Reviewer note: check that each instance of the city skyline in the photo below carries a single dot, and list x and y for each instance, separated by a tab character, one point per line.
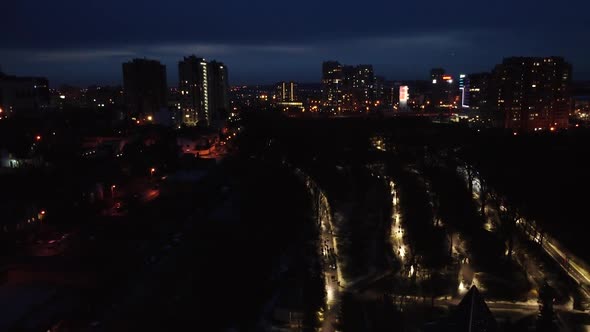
294	166
262	49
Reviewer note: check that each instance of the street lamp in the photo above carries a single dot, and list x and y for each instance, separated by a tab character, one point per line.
113	187
152	171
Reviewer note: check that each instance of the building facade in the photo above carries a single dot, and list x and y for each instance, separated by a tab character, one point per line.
286	92
332	81
348	88
219	92
287	97
22	95
204	91
145	87
533	93
362	89
478	91
444	89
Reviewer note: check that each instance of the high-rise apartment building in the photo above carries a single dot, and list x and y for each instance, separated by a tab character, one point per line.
218	92
145	88
478	92
533	93
204	91
348	88
194	90
287	96
436	75
332	81
443	90
286	92
363	88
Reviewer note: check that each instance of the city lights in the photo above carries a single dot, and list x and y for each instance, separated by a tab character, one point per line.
428	189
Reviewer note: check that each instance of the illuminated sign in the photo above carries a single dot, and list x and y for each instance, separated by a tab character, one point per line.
404	94
447	77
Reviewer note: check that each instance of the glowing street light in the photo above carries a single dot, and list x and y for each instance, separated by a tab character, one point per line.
152	171
38	137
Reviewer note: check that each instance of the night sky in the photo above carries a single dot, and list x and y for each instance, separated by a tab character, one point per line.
262	41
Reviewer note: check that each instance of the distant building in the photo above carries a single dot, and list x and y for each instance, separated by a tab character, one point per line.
286	92
204	91
443	89
219	92
380	98
22	95
194	90
145	87
362	90
95	97
436	75
464	91
103	96
332	81
348	88
478	91
287	96
533	93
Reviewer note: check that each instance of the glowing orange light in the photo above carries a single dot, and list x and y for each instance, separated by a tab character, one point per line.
38	138
43	212
552	129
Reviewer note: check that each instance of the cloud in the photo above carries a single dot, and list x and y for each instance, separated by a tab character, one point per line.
80	55
153	51
222	49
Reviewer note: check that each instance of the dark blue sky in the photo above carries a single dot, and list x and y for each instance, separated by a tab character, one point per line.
262	41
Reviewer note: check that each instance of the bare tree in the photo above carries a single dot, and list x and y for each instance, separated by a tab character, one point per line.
509	215
483	194
546	319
